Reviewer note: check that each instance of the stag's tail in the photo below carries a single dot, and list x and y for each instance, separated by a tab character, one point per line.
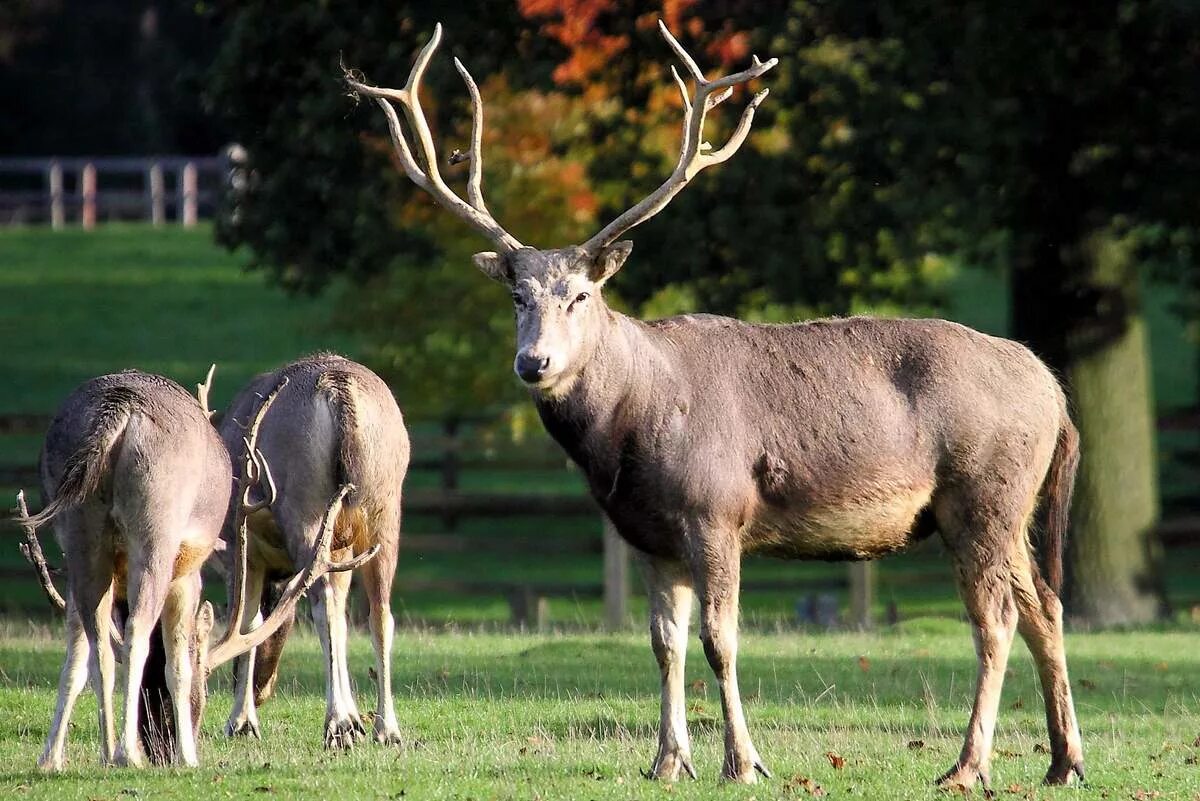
85	468
1056	494
339	386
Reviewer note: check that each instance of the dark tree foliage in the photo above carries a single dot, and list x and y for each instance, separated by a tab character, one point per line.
106	77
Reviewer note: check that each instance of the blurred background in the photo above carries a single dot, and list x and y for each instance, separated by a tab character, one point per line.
186	183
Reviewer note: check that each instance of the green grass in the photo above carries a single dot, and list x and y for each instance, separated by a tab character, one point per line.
505	716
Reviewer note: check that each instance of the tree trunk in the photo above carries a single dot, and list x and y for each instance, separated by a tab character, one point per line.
1113	556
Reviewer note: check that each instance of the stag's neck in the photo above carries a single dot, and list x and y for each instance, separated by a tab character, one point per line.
627	383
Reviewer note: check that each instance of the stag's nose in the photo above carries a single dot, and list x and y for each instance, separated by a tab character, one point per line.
531	367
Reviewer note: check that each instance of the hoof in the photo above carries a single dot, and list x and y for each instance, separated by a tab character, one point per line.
964	777
670	763
343	735
1065	772
243	728
387	733
128	759
48	764
744	770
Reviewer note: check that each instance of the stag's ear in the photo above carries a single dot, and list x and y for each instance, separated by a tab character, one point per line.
610	260
494	265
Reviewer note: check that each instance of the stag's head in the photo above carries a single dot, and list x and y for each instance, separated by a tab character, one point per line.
556	293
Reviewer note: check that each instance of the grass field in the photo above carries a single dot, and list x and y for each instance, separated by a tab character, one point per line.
502	716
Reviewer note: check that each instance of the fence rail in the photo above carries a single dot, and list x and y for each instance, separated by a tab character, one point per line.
58	190
528	599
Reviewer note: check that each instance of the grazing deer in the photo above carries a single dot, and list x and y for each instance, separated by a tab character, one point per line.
138	487
336	422
704	438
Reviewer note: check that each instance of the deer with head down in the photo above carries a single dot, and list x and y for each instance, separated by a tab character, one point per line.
137	483
704	438
335	422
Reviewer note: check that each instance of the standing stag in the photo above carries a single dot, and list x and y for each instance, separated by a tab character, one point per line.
335	423
137	482
704	438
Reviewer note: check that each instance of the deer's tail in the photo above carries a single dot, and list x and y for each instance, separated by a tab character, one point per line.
1057	489
85	469
339	386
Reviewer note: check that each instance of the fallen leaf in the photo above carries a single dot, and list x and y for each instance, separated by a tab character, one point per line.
1038	748
218	778
1145	795
699	686
864	664
797	783
1087	684
1007	754
915	745
1190	760
1014	788
1017	704
836	760
263	788
1162	667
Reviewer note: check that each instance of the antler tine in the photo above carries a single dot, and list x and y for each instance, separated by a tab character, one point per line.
32	549
233	643
203	389
694	153
429	178
254	470
475	169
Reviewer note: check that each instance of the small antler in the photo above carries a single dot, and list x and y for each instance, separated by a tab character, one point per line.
202	391
694	154
32	550
235	643
474	213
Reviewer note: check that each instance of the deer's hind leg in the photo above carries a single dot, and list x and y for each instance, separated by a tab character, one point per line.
981	550
377	576
86	535
1042	629
70	683
243	717
178	623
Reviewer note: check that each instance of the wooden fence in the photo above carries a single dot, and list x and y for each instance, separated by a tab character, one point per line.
84	190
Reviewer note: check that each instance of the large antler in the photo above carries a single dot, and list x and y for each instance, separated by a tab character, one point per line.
202	391
694	154
474	213
256	471
32	549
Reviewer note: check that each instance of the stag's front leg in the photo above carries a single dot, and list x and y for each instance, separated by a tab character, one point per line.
342	730
178	622
669	590
70	683
716	571
243	717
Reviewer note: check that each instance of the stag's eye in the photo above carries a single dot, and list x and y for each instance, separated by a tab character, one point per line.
580	298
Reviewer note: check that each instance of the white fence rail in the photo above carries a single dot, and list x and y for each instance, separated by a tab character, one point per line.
84	190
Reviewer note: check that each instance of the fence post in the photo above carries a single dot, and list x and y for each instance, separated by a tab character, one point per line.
156	193
189	195
862	591
54	176
87	192
616	578
450	428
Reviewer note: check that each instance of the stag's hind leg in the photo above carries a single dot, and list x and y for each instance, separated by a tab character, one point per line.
178	623
669	589
986	592
1041	628
343	726
243	717
377	578
70	683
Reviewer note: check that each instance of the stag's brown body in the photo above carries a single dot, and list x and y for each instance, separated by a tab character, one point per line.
138	486
705	438
335	422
